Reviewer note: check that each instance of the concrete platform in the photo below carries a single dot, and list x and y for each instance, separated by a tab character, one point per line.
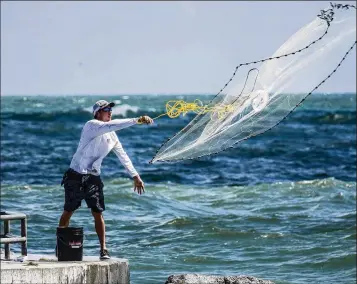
46	269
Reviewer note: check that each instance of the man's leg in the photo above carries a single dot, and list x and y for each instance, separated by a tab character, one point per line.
72	198
64	221
95	200
100	228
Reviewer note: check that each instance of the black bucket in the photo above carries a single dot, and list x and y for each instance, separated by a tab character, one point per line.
69	244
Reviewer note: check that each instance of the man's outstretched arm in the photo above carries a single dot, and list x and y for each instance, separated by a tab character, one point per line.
126	162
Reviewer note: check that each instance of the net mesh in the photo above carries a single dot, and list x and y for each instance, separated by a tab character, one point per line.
263	93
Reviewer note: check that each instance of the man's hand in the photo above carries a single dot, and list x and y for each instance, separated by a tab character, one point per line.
145	119
138	185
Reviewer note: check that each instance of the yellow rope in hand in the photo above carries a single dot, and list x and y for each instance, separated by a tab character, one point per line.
175	108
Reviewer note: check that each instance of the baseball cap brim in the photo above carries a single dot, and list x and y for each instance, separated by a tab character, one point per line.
110	104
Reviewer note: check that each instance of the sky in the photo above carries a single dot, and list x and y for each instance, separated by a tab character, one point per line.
149	47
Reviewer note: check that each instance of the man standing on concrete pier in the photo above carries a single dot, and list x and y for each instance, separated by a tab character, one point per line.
82	179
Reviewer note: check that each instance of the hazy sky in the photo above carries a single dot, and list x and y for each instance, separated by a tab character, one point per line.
144	47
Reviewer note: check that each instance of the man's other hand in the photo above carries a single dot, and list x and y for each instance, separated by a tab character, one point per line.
138	185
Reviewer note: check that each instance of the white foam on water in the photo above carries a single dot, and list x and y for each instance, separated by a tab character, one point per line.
124	109
39	105
88	109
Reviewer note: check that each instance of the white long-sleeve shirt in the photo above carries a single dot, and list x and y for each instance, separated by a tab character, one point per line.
98	138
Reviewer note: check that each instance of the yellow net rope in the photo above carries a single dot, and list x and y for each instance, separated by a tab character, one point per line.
175	108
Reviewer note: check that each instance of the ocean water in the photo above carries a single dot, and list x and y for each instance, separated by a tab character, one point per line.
279	206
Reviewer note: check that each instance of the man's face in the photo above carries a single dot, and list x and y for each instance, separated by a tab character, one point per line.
105	114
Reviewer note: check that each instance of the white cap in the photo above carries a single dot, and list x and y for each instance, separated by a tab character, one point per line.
101	104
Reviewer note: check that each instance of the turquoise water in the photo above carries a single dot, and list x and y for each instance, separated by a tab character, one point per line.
280	206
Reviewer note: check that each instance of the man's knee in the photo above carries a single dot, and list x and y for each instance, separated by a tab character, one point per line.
97	215
67	213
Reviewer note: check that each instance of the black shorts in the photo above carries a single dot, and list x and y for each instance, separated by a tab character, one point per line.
78	187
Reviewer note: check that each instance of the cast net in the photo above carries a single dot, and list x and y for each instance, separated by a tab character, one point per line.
260	94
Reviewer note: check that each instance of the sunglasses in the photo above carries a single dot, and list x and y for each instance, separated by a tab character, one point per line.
107	109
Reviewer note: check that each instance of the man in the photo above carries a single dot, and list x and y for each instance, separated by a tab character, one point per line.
82	179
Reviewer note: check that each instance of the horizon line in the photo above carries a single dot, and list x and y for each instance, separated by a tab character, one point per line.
155	94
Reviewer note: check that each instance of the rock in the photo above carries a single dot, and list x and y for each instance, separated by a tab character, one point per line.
243	279
195	279
211	279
